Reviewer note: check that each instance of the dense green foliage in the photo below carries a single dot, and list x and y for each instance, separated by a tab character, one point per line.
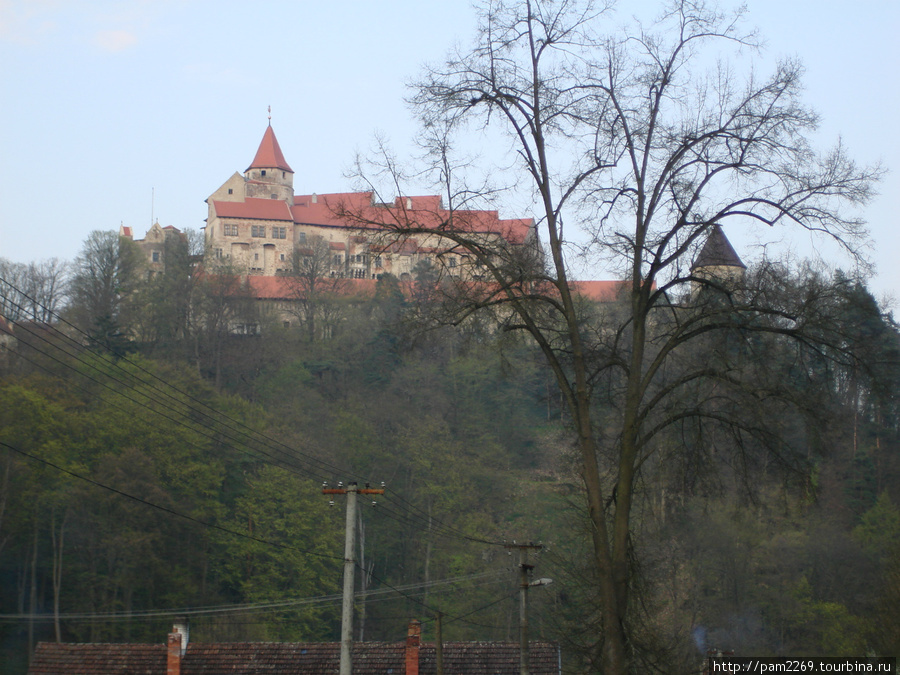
212	446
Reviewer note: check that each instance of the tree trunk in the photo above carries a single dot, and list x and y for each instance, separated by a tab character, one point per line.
58	541
32	597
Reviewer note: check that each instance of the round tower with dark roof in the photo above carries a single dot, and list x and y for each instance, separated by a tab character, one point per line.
269	176
717	261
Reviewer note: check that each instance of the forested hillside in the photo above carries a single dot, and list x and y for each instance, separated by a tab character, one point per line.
156	462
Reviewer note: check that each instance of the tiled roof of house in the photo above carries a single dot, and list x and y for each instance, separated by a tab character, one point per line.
489	658
717	252
98	659
269	658
269	154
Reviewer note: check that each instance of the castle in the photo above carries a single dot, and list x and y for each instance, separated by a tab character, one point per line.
264	229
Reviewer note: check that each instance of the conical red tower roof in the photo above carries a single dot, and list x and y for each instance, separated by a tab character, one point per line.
269	154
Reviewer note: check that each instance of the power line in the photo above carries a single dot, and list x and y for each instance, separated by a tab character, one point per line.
167	509
410	517
240	608
250	436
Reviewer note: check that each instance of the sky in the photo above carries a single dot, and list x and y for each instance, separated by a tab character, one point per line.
127	111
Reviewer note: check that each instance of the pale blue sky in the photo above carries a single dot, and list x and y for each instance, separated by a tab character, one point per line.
102	101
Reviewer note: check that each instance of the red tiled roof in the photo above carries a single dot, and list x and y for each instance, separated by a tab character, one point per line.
269	155
425	213
254	209
421	212
599	291
259	658
98	659
289	288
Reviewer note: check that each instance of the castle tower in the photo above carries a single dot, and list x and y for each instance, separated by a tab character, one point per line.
269	176
717	261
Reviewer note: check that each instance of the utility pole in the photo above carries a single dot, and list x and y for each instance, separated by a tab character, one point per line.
352	490
524	573
439	644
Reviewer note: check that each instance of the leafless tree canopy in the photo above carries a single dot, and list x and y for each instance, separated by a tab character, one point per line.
35	292
637	142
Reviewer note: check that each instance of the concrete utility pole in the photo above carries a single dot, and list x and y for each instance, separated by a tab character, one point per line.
349	568
524	572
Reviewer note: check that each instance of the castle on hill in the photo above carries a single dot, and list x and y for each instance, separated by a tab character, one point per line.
259	224
264	230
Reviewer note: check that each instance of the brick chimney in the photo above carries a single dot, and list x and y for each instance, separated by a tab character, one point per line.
173	654
413	638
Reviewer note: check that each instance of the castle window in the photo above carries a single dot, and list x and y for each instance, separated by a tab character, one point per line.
451	262
218	253
337	259
155	256
273	196
301	237
279	233
282	174
230	191
256	256
282	256
231	230
262	173
377	261
258	231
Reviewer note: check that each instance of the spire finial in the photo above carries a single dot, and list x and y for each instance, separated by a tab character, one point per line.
270	115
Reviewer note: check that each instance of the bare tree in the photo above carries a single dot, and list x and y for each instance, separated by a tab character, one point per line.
634	144
36	291
315	285
222	306
106	278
